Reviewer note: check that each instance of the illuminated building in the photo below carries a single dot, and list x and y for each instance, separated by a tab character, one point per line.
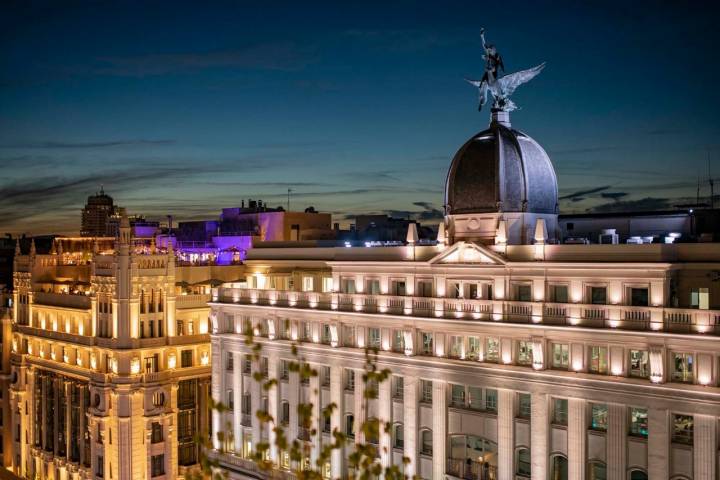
110	371
513	355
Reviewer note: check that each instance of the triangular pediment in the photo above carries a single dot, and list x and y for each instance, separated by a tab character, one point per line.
468	253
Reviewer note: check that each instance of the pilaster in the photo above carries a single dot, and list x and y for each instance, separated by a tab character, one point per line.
577	438
705	447
539	435
658	444
439	433
617	442
410	423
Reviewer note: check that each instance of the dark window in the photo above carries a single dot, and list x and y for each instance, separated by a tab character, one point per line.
639	297
523	293
186	358
157	465
598	295
157	433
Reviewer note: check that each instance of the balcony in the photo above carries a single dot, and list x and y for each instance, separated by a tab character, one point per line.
63	300
621	317
192	301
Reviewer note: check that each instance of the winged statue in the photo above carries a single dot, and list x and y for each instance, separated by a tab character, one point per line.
503	87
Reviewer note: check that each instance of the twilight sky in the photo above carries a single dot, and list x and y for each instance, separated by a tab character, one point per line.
185	108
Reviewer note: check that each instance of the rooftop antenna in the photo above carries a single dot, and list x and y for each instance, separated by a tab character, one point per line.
288	203
710	181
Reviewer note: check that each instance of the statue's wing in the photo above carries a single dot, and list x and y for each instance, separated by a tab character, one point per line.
475	83
509	83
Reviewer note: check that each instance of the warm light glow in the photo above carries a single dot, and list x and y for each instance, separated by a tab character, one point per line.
78	360
704	379
66	358
613	323
93	361
30	349
203	327
616	370
52	353
135	366
204	358
172	360
114	365
81	328
14	345
67	326
574	321
577	365
656	378
507	358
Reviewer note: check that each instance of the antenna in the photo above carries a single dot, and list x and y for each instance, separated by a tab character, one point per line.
710	181
288	203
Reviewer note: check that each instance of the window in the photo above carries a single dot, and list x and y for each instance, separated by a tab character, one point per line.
426	391
229	364
560	411
230	399
700	298
374	338
597	471
350	426
325	376
457	396
473	348
639	297
186	358
683	429
492	349
426	445
157	465
598	295
308	284
599	416
247	364
639	422
524	293
524	405
285	414
453	290
151	364
523	462
639	364
327	284
683	367
398	436
326	337
157	433
100	466
426	343
561	356
398	386
598	360
284	370
305	331
372	286
456	347
558	293
348	335
398	345
524	353
349	379
264	366
475	398
347	285
424	288
491	400
471	290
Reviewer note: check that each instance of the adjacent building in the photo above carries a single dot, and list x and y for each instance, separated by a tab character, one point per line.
110	358
96	216
512	354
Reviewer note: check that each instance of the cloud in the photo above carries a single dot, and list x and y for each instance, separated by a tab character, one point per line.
581	150
283	56
583	193
643	204
81	145
613	195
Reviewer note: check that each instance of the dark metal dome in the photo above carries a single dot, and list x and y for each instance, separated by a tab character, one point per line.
501	170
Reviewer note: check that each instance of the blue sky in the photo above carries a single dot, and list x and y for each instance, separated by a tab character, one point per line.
185	108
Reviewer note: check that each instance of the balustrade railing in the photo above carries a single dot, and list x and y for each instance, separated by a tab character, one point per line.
573	314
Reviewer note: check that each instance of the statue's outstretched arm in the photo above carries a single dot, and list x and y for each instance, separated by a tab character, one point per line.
482	37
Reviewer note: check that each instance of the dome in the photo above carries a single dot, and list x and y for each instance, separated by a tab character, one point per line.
501	170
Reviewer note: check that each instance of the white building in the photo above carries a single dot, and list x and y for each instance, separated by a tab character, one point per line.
512	356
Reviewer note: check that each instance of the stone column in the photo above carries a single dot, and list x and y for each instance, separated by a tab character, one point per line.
705	447
577	438
68	420
293	400
439	433
256	404
506	434
274	404
539	435
359	411
410	423
658	444
617	442
216	392
385	415
337	396
237	401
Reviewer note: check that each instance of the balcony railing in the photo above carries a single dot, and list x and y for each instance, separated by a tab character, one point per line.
64	300
574	314
192	301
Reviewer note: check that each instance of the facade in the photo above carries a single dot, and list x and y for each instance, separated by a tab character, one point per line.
110	364
512	355
5	377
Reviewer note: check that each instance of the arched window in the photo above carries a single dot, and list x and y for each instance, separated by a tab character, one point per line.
285	418
426	443
398	436
638	475
597	471
559	470
522	466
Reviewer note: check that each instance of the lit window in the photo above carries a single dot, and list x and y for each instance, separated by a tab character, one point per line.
599	416
473	350
457	396
456	347
598	360
683	429
639	364
374	338
475	398
491	400
426	343
308	284
524	353
639	422
398	345
327	284
683	364
492	349
700	298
